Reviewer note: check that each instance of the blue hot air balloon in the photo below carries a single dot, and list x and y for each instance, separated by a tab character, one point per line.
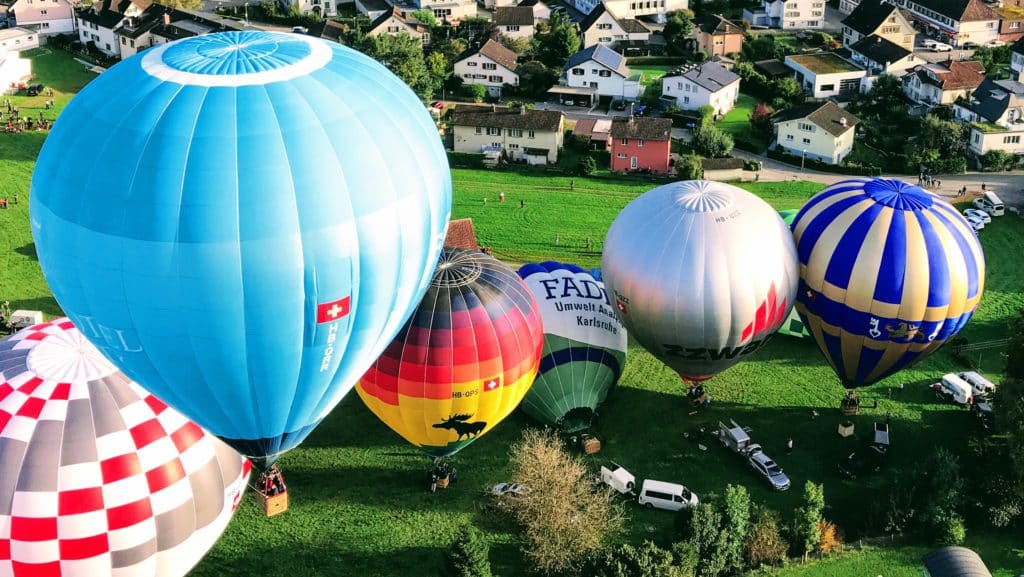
888	273
242	222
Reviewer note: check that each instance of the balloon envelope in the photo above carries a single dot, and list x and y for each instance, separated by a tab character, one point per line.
793	326
463	361
97	476
584	345
701	274
242	222
888	272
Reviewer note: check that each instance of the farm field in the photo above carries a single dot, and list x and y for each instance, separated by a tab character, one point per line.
359	504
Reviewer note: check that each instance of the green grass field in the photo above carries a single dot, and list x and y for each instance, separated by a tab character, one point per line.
653	73
737	122
359	504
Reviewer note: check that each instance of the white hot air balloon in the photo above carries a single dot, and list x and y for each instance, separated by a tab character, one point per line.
701	274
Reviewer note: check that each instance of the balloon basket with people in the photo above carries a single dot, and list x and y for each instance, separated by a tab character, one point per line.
272	492
442	474
850	405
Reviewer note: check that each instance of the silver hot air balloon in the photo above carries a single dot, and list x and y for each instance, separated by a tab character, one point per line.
701	274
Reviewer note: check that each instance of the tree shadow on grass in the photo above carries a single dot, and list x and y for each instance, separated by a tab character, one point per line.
28	250
48	305
283	555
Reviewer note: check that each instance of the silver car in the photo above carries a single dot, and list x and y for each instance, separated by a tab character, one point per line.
768	468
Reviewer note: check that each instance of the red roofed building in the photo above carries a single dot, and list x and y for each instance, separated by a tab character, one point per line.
461	234
641	144
941	83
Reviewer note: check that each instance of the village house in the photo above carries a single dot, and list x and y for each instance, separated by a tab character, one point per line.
520	134
541	10
996	113
43	16
328	30
159	25
594	73
787	14
597	131
491	65
600	27
514	21
954	21
18	39
395	22
825	74
640	143
880	56
96	24
630	8
716	36
1011	20
821	131
1017	59
693	86
878	18
941	83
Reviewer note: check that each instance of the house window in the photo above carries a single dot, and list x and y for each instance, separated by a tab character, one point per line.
605	73
605	39
495	78
604	26
124	41
828	87
1011	139
687	87
479	130
1014	24
393	29
594	71
810	23
807	141
471	64
990	25
512	28
640	143
593	85
789	137
890	29
977	138
686	99
792	14
490	66
132	42
625	141
496	144
621	155
514	146
530	134
515	132
43	12
493	132
807	126
577	72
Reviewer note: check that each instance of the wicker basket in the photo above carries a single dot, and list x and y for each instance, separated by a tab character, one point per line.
274	505
847	409
442	482
590	445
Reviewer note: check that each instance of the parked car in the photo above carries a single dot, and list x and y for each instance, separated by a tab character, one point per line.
995	43
509	490
437	105
968	45
668	496
928	42
990	203
767	468
975	222
35	89
941	47
980	386
300	29
954	389
979	214
861	463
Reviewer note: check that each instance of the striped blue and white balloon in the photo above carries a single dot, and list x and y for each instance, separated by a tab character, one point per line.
888	273
242	222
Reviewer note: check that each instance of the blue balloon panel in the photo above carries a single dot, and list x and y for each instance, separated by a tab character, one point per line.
242	222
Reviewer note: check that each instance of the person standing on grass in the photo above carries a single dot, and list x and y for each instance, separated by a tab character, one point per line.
789	445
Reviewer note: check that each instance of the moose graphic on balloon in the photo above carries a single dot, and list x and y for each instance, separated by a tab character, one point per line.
461	426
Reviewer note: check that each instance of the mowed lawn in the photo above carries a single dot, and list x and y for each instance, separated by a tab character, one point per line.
359	504
737	122
653	73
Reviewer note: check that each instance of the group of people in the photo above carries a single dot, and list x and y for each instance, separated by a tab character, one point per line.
272	483
13	121
928	181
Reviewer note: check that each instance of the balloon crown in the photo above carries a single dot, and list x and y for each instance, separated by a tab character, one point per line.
898	194
457	267
701	196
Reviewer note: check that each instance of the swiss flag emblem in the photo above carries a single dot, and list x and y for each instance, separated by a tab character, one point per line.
492	384
332	311
622	307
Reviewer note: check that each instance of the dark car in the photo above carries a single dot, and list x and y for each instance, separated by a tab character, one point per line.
861	462
35	89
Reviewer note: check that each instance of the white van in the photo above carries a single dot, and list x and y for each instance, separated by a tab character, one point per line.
668	496
979	384
990	203
954	388
618	478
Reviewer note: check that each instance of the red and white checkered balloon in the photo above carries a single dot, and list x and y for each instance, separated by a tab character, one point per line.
97	476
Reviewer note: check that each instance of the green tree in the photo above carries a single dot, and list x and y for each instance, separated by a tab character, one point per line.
586	165
789	90
707	537
938	146
477	92
647	560
1009	408
765	545
735	525
556	41
468	556
425	16
763	47
523	47
808	517
678	27
535	79
403	55
883	112
1015	350
183	4
996	160
754	82
688	167
438	69
712	142
993	59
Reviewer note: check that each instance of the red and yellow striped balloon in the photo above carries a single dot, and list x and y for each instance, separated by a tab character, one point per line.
464	360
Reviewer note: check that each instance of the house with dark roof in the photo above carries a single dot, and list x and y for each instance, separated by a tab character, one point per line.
594	73
716	36
877	55
514	21
954	21
640	143
600	27
541	10
693	86
327	29
879	18
135	25
489	64
96	23
394	22
995	111
516	133
942	83
773	68
821	130
954	562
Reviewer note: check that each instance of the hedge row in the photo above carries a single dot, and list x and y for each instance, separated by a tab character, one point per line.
465	159
814	164
655	60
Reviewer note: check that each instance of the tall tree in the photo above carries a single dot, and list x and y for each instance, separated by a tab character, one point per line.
468	556
678	27
735	526
556	41
938	146
403	55
707	537
808	517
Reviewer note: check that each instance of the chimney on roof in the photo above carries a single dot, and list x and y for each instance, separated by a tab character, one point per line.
167	19
842	121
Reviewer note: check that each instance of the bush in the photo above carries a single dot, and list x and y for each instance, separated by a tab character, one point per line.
648	560
831	537
813	164
586	165
948	529
996	160
465	159
713	142
468	556
655	60
765	545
